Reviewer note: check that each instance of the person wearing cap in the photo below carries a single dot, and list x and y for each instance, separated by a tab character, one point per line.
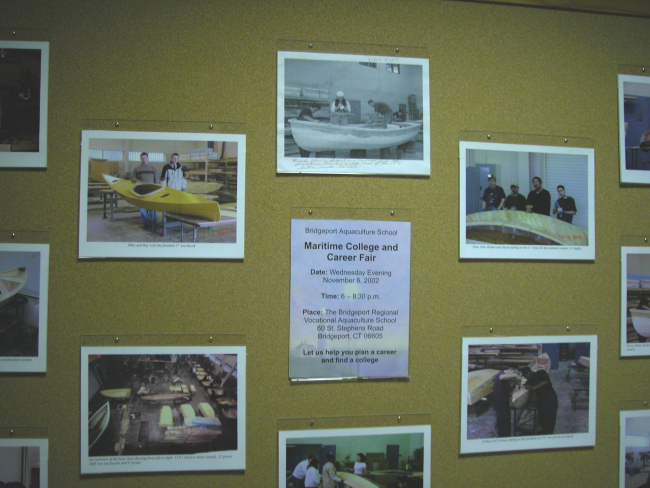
340	107
515	201
494	198
565	207
381	109
539	200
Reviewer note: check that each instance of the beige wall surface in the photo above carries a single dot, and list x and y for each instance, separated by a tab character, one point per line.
497	68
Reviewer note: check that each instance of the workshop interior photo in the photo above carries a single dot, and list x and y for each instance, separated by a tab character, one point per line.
636	110
638	298
553	399
20	467
388	457
637	451
209	173
19	303
320	83
20	93
140	405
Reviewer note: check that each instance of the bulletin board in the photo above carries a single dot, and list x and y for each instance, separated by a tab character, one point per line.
492	69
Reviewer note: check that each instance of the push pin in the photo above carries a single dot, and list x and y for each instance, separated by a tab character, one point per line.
568	328
310	212
489	137
117	339
311	423
13	235
491	330
392	213
645	239
310	45
117	124
13	33
645	404
396	49
399	418
211	127
210	339
566	140
11	432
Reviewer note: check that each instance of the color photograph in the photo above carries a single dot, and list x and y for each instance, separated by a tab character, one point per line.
352	114
23	463
24	68
23	307
374	457
162	195
634	128
634	460
149	409
523	393
635	301
526	202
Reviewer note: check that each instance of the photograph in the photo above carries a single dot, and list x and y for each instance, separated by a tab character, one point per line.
526	202
369	457
635	301
634	128
23	463
24	68
528	393
352	114
24	273
634	457
162	195
149	409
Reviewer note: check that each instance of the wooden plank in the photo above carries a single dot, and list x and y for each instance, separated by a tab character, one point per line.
480	384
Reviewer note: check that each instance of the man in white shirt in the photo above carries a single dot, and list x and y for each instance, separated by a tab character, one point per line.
298	475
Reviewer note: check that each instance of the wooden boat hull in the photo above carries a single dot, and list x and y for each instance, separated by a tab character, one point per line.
641	321
166	417
98	423
165	397
159	198
315	137
206	409
480	384
11	282
542	228
355	481
120	394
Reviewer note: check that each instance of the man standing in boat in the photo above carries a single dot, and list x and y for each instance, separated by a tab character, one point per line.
146	173
494	198
539	200
381	109
307	114
340	109
515	201
565	207
172	175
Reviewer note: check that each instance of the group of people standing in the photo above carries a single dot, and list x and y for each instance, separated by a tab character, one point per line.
172	176
538	200
536	381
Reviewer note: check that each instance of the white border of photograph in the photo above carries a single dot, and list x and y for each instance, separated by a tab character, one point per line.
27	364
629	175
632	349
297	164
285	436
42	444
32	159
153	250
504	251
555	441
224	460
624	416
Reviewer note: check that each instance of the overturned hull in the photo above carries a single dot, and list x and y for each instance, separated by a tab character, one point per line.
641	322
315	137
534	228
11	282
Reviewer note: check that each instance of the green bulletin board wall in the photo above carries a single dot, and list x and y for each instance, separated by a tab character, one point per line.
498	68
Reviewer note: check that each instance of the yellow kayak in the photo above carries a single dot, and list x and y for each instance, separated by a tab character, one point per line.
159	198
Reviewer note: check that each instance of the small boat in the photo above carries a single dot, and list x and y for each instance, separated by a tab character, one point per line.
536	228
160	198
480	384
120	394
206	409
165	397
98	423
227	401
188	413
316	137
11	282
166	417
641	321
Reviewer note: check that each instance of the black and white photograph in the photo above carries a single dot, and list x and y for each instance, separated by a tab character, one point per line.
24	68
526	202
634	128
369	457
24	273
23	463
352	114
536	392
163	409
162	195
635	301
634	457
